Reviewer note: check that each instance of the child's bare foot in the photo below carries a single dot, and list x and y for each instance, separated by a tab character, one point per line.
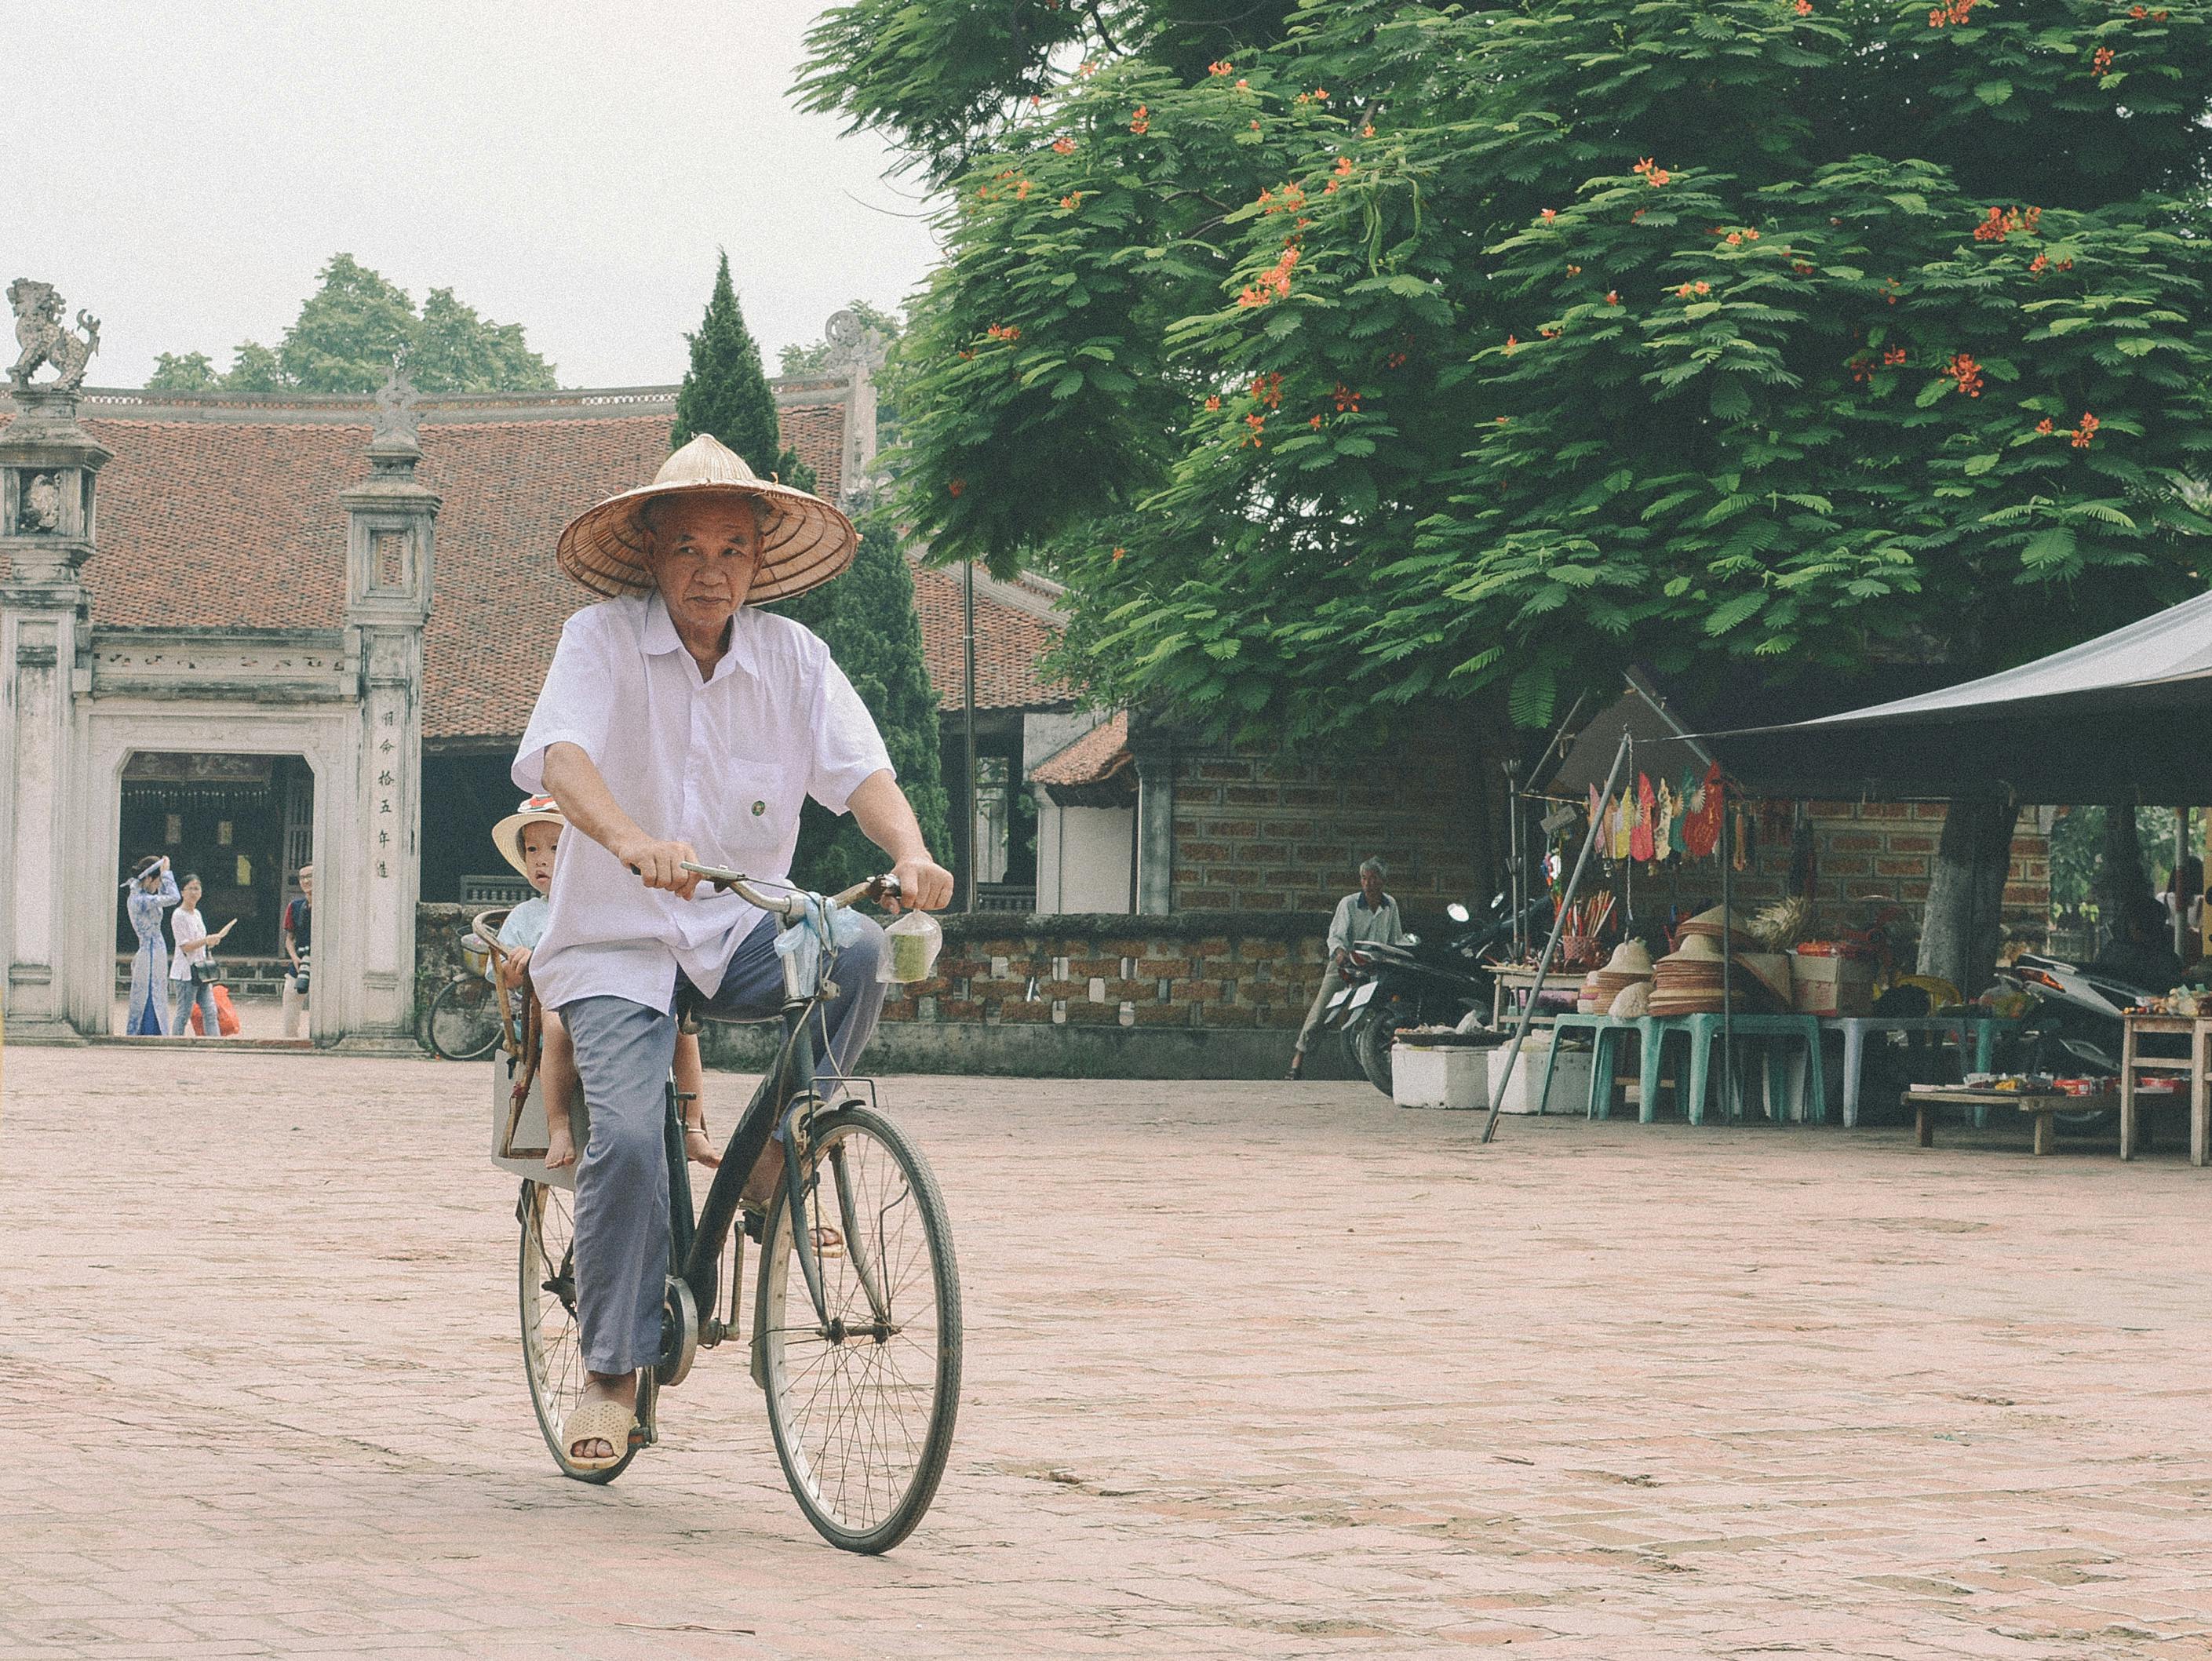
560	1145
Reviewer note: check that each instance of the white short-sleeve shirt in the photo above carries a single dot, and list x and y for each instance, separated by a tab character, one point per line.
723	763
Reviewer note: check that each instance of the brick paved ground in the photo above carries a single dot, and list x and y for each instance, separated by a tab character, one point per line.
1336	1383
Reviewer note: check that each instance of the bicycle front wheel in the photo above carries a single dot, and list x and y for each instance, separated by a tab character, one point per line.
862	1403
463	1023
552	1344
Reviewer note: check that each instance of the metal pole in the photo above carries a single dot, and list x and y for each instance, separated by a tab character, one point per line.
1728	1091
967	715
1518	886
1551	945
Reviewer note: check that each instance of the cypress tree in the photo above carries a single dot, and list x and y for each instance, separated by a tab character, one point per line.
868	618
726	392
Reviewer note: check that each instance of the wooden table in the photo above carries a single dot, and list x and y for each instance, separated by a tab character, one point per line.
2196	1067
1519	985
2042	1106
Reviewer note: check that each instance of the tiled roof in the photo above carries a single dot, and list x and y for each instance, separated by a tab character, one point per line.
1090	760
224	514
1010	638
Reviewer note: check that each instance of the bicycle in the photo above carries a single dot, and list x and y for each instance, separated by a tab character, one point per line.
463	1022
858	1353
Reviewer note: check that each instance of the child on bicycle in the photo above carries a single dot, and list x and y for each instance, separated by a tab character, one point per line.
530	839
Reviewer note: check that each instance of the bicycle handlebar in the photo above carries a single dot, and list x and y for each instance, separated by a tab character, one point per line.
788	905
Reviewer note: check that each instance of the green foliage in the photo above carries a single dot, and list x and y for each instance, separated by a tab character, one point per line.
345	335
727	393
185	372
868	618
1352	353
457	351
254	368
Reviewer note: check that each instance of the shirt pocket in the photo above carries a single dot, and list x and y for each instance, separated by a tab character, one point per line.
752	813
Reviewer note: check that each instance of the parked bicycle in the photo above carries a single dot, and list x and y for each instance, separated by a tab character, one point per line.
462	1020
855	1337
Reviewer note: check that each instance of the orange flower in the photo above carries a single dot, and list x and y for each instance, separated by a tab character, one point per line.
1613	296
2101	64
1140	122
1072	201
2044	427
1654	174
1088	70
1118	553
1022	191
1063	146
1243	86
1321	94
1893	356
1683	293
1735	239
1704	287
1574	270
1213	403
1968	374
1267	390
1347	401
1804	7
1548	215
1512	346
1219	66
1751	236
1368	132
956	486
1315	423
2085	431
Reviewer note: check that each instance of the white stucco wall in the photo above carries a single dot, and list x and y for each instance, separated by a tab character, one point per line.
1083	857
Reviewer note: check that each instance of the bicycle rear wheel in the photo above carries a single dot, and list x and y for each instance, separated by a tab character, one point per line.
862	1406
463	1023
552	1346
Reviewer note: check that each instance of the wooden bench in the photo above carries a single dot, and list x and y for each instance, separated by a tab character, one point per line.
1923	1102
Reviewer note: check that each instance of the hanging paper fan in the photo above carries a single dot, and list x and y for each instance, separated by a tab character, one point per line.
1701	833
1624	825
1639	839
1666	836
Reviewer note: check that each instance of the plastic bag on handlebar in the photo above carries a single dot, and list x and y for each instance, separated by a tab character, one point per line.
910	948
803	940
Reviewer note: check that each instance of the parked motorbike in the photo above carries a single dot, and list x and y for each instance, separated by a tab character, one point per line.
2074	1027
1421	983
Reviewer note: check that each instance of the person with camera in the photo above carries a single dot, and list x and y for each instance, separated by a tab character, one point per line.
298	934
193	974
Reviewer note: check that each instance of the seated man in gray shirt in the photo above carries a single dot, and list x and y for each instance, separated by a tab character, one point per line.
1369	917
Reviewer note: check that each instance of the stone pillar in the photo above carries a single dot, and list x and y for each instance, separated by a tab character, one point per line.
376	866
1155	831
48	466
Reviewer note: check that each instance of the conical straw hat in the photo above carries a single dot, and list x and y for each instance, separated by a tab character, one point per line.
804	541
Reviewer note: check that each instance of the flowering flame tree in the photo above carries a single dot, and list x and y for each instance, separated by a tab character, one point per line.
1346	355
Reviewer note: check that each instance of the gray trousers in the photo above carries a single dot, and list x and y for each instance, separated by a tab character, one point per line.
1332	982
624	1050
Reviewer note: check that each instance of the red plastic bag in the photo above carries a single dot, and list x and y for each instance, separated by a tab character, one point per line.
226	1016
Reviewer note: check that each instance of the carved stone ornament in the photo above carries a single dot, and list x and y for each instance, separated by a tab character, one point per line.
397	423
46	340
851	341
41	513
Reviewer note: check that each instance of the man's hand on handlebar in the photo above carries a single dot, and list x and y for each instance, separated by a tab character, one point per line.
924	886
661	865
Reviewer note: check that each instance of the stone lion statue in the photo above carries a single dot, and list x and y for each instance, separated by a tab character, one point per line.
46	339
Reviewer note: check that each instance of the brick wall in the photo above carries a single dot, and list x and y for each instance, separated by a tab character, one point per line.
1867	852
1260	834
1189	970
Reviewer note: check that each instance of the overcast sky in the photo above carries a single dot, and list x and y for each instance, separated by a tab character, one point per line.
182	170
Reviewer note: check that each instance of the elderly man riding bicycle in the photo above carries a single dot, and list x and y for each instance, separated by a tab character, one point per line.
679	723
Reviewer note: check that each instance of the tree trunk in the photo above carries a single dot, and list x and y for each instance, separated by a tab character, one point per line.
1962	926
2120	884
